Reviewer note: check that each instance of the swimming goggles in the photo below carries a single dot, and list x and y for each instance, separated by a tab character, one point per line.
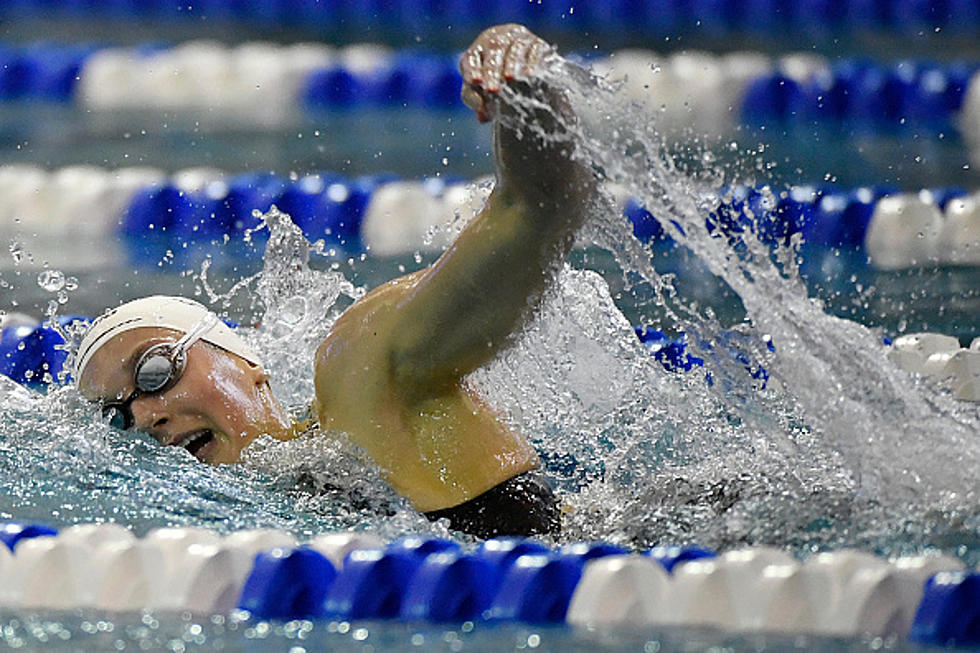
158	369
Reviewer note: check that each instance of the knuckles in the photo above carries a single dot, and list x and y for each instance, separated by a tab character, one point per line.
487	56
491	60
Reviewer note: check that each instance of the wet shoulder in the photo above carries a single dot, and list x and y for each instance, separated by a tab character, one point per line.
358	347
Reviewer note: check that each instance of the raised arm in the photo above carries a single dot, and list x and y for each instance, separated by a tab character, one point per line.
457	314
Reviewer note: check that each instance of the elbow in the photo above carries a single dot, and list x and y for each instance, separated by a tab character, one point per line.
413	378
424	373
401	370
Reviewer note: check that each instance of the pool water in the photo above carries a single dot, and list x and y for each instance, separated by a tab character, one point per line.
80	631
838	449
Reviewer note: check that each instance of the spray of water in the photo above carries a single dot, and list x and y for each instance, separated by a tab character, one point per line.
841	447
295	304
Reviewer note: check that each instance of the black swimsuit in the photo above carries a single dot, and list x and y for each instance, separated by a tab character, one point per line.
522	505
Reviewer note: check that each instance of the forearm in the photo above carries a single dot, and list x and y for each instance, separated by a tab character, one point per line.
459	313
536	161
515	79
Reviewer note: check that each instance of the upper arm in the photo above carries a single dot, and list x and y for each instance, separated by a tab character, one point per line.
434	326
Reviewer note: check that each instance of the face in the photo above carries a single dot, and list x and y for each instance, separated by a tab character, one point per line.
220	404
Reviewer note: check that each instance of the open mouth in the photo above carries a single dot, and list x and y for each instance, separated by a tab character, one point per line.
195	442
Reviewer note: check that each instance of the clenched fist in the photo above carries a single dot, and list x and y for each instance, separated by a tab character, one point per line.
499	55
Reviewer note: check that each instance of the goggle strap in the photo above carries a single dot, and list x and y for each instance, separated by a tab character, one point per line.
206	324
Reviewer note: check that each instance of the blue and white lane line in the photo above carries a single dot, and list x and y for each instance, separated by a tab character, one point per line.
629	19
385	216
34	354
263	83
931	599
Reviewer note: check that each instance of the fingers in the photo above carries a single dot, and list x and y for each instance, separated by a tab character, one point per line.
471	65
515	61
537	53
471	98
475	101
498	55
493	62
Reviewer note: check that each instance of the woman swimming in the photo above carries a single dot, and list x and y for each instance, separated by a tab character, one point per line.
391	372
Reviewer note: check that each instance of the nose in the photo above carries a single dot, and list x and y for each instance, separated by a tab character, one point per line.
153	415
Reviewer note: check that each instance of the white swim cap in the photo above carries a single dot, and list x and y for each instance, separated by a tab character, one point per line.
177	313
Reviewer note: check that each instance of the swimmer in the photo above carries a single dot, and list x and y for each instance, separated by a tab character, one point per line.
391	374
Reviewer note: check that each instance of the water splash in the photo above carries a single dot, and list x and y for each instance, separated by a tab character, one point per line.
296	304
842	448
63	464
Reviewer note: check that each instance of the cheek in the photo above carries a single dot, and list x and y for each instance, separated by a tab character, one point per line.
235	396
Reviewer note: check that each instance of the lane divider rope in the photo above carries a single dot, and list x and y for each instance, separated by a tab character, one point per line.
35	355
931	599
774	19
263	83
156	213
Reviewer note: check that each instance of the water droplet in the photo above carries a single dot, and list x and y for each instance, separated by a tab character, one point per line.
51	280
16	251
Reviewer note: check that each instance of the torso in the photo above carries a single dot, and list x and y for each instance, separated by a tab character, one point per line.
438	451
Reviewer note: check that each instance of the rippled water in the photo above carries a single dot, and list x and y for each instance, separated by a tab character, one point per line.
146	631
839	448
